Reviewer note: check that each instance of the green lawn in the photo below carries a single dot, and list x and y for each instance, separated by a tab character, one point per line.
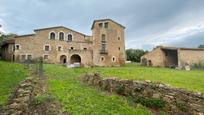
80	99
10	75
191	80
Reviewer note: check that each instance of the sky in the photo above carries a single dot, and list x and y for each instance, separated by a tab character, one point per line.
148	23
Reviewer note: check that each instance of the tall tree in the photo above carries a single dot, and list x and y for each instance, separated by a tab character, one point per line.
134	55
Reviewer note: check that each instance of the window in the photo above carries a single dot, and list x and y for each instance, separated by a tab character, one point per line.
69	37
118	38
59	48
100	25
103	42
29	57
85	48
106	25
118	48
72	48
102	58
45	57
23	57
47	48
13	48
166	53
61	36
113	59
17	47
52	36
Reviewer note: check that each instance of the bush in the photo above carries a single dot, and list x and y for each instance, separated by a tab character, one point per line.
152	102
199	65
37	100
182	106
120	89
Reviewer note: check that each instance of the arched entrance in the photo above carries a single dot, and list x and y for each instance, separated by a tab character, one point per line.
63	59
75	59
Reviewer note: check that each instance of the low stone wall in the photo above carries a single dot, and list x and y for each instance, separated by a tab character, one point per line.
177	101
19	101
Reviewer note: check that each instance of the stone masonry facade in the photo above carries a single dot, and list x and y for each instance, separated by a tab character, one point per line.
105	47
173	57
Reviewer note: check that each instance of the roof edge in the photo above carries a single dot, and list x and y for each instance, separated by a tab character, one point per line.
46	28
106	20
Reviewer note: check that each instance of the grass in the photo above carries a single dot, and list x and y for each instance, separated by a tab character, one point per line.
10	75
191	80
78	98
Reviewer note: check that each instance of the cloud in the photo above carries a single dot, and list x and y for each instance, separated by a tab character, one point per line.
148	22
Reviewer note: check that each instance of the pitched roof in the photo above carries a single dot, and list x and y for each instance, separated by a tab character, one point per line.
59	27
107	20
24	35
9	41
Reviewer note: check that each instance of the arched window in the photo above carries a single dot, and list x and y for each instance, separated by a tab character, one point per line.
61	36
52	36
69	37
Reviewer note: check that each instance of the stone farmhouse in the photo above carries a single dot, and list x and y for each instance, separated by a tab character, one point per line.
172	57
61	45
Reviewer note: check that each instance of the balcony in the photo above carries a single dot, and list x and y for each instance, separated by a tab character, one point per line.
103	52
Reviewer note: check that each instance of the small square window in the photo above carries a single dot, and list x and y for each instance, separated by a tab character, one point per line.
100	25
29	57
47	48
106	25
17	47
23	57
59	48
72	48
85	48
46	57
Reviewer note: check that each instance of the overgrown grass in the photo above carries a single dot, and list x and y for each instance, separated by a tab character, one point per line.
10	75
78	98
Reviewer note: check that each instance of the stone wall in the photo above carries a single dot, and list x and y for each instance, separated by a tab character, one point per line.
19	101
177	101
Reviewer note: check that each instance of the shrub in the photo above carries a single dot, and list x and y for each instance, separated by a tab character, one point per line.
37	100
152	102
182	106
120	89
199	65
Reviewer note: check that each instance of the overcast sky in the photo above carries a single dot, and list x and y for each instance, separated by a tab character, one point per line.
148	22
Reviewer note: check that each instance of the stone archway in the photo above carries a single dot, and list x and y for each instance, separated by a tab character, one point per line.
75	59
63	59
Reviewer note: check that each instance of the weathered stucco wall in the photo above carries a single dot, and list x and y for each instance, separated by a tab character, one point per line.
177	101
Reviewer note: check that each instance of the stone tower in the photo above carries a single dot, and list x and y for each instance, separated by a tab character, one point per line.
108	43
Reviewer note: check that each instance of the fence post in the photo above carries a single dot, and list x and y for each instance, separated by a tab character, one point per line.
40	69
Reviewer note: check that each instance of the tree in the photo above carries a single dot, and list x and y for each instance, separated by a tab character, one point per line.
5	37
201	46
134	55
